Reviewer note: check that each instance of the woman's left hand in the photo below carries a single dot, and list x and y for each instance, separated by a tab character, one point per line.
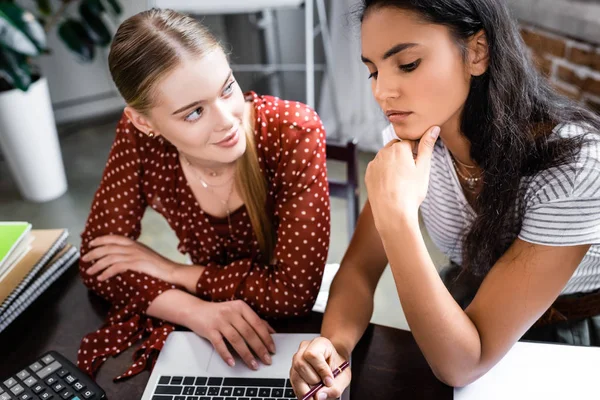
396	181
113	254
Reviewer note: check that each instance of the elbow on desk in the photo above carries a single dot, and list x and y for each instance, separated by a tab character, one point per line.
454	377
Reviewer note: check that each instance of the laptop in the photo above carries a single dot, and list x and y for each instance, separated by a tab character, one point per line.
188	368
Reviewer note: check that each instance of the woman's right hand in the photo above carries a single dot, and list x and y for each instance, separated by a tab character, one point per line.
314	362
237	323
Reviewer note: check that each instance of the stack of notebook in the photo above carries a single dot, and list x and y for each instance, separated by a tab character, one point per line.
30	261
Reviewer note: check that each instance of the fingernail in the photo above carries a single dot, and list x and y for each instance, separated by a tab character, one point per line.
254	364
231	362
328	381
322	396
272	349
435	132
267	358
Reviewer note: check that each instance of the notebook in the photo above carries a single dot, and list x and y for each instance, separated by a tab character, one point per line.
45	245
539	371
46	276
13	243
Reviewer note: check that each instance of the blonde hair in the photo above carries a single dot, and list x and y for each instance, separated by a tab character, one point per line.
149	45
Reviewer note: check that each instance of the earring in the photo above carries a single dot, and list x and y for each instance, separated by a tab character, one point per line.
151	134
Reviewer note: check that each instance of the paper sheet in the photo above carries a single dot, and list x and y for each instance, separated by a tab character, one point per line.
539	371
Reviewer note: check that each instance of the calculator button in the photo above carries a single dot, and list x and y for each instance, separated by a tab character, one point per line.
25	396
67	394
62	372
51	381
17	390
23	375
70	379
38	389
10	382
79	386
59	387
30	381
5	396
44	372
1	390
46	396
48	359
35	367
87	394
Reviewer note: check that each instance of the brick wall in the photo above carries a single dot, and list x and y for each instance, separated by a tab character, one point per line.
572	66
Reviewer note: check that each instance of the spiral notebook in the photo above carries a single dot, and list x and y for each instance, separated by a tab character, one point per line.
48	258
50	273
14	243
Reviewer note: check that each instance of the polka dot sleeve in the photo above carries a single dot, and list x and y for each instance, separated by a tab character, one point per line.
117	209
292	148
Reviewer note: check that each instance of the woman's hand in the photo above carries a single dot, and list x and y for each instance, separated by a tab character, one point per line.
313	363
396	181
114	254
237	323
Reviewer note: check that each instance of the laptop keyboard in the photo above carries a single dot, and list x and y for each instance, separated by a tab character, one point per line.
201	388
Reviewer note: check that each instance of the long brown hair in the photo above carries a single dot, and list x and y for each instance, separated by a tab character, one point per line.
151	44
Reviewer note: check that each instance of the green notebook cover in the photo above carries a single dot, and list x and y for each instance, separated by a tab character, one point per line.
11	234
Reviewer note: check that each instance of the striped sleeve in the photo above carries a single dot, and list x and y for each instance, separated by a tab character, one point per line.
564	208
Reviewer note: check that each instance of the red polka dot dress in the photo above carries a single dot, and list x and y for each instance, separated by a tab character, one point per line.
143	171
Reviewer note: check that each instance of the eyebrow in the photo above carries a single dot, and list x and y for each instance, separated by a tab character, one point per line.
195	103
391	52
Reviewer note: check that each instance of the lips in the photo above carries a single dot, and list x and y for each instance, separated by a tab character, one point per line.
228	137
396	115
231	139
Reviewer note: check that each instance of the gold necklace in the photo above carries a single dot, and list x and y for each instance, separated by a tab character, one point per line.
208	187
471	182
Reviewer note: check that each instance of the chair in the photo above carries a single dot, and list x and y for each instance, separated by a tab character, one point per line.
349	188
266	7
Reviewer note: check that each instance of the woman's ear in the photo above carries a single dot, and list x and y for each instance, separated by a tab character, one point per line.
479	56
141	122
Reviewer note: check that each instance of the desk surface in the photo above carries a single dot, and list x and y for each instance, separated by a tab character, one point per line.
386	363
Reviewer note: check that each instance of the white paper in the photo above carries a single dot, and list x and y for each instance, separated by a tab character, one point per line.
539	371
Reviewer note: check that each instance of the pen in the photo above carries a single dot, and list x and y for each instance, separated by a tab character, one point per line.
336	372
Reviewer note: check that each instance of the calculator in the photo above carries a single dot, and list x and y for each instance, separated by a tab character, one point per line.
51	377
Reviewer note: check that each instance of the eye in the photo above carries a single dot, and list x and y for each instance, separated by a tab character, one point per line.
194	115
228	89
410	67
373	75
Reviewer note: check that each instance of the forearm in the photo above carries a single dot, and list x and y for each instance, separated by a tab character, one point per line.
447	337
174	306
187	276
349	310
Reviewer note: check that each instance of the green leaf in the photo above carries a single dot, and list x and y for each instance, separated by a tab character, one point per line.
13	38
115	6
45	7
76	38
94	25
95	5
27	23
15	66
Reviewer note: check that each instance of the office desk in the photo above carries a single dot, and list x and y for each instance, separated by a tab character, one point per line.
387	364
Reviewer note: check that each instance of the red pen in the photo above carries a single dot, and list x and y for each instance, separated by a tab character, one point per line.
336	372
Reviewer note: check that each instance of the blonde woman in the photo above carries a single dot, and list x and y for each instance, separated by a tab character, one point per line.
240	178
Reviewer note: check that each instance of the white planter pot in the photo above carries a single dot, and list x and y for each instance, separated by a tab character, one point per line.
30	142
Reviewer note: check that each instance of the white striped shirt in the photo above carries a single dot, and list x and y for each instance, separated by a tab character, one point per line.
562	207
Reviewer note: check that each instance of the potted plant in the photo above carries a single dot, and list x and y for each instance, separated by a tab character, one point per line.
28	135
